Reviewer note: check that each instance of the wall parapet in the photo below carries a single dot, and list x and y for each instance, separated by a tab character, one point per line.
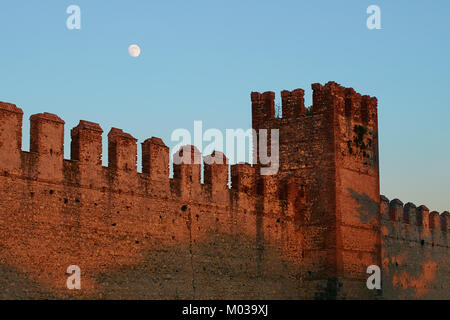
414	223
46	162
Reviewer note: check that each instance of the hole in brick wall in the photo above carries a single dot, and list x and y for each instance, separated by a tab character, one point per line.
32	194
173	237
137	242
184	207
51	191
77	200
422	242
278	220
114	224
197	216
95	204
160	217
217	219
66	201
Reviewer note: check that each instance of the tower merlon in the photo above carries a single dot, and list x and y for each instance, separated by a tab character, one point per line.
353	104
345	101
263	108
293	103
369	111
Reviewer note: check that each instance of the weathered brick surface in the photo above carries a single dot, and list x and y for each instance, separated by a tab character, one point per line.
308	232
415	252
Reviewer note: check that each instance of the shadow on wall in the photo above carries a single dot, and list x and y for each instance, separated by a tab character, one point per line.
368	209
224	267
414	266
16	285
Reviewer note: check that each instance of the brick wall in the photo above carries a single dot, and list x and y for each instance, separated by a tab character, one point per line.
308	232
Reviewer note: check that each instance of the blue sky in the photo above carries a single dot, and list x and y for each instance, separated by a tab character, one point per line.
201	59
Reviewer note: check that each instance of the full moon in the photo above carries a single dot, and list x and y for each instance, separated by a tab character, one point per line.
134	50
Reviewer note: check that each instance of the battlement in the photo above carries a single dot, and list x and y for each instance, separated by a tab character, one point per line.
45	161
414	223
328	98
293	103
346	101
318	219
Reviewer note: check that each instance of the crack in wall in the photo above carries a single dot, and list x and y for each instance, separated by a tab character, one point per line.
189	225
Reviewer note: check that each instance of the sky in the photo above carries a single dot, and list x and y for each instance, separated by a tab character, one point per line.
201	59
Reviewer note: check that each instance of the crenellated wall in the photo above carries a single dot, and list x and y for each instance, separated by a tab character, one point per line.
310	231
415	251
136	235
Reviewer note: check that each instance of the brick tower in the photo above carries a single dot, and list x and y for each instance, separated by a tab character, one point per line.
330	151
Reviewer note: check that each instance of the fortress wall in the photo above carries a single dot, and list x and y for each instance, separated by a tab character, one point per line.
415	252
308	232
136	235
